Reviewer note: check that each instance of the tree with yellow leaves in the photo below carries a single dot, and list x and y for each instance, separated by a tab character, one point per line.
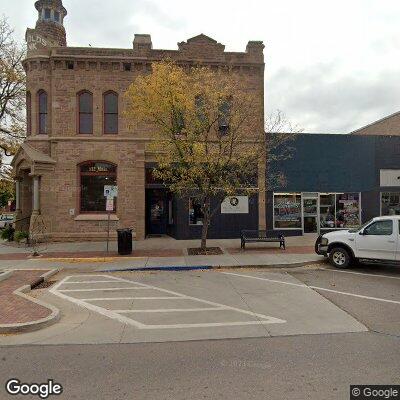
204	139
12	94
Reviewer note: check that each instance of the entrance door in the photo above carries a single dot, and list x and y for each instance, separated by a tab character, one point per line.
310	215
156	212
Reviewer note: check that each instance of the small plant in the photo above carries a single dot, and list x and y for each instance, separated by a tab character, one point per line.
8	233
19	236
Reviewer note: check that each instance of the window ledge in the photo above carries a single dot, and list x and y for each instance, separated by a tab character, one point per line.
96	217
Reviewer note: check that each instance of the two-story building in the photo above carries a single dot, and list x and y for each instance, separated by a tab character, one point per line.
78	140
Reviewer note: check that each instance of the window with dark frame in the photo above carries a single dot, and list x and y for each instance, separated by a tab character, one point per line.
47	13
56	16
28	113
94	175
42	117
110	113
85	103
196	214
224	115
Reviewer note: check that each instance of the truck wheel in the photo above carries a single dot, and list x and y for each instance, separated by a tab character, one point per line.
339	257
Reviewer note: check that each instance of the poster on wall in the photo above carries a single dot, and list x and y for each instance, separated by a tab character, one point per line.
235	205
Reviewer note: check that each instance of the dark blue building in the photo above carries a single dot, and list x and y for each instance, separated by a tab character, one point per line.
335	182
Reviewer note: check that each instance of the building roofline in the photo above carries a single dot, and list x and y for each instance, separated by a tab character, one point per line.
375	122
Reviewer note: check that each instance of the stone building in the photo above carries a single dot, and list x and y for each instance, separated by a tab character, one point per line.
386	126
78	141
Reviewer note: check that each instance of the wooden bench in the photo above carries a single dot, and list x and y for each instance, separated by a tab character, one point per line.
256	236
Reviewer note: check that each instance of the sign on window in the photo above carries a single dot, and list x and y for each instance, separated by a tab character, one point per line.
110	191
235	205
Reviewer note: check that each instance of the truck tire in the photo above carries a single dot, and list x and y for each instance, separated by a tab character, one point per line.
339	257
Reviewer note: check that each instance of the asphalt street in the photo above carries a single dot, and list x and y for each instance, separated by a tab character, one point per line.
296	366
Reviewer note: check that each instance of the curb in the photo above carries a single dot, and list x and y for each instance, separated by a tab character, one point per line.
5	275
176	268
40	323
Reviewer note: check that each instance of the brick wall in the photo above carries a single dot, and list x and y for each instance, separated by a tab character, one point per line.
66	71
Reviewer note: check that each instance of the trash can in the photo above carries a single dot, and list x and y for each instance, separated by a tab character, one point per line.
124	241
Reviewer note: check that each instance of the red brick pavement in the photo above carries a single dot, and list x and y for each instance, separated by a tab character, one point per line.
15	309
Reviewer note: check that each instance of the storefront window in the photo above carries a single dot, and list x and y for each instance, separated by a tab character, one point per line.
287	211
195	214
327	205
94	176
347	210
390	204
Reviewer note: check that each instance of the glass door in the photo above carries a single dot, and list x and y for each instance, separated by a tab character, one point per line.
310	215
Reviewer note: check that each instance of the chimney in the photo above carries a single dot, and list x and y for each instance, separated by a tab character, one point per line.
142	43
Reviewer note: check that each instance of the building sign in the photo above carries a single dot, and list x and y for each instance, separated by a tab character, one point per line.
390	177
110	204
110	191
235	205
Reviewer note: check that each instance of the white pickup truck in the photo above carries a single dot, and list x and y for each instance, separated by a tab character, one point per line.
378	240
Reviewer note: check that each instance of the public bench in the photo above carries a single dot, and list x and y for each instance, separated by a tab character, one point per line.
256	236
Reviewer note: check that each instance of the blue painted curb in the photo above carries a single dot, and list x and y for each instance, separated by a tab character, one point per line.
163	268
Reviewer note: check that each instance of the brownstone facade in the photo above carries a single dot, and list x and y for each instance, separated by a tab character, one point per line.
54	149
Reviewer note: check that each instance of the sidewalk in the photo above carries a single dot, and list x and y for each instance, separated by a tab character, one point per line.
19	312
166	251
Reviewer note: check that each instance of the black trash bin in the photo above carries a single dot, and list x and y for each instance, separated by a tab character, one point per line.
124	241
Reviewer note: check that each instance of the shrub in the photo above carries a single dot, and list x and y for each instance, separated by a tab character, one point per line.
20	235
8	233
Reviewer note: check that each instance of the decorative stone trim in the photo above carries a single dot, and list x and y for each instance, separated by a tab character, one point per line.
96	217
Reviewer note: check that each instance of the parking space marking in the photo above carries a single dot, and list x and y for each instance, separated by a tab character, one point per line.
166	310
106	289
57	290
314	288
135	298
81	282
359	273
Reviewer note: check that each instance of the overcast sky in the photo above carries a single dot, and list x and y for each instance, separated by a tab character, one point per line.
331	67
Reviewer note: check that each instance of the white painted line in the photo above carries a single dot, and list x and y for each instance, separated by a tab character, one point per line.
92	307
272	319
359	273
135	298
167	310
265	279
115	315
101	289
205	325
90	282
315	288
356	295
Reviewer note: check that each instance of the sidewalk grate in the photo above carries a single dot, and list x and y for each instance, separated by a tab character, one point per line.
43	285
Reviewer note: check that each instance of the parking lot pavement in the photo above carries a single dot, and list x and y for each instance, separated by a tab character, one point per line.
170	306
370	293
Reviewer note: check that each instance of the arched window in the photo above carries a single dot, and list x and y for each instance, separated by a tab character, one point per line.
42	101
85	105
94	175
110	113
28	113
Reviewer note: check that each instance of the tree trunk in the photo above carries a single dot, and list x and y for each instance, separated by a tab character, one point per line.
206	223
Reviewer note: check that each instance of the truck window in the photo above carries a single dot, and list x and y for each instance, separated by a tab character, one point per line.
381	228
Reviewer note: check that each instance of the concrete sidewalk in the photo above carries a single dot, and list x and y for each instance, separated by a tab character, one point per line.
160	252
